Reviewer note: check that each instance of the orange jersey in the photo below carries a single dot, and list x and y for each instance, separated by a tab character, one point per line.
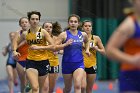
132	46
23	50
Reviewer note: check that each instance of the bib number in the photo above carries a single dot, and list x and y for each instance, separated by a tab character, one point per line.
38	35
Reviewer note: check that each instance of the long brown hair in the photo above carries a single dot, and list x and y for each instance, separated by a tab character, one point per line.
56	28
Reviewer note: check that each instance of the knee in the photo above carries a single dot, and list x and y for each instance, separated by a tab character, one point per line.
77	86
35	88
83	87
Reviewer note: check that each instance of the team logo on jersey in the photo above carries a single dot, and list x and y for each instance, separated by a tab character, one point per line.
35	41
80	38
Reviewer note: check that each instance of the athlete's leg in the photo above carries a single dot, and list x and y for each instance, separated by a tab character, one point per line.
9	69
22	77
45	89
77	77
67	83
90	81
44	84
32	75
52	81
15	77
84	84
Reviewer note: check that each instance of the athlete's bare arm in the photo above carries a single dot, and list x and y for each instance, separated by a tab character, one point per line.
86	43
55	38
20	43
51	45
48	37
61	38
122	33
100	48
5	50
15	42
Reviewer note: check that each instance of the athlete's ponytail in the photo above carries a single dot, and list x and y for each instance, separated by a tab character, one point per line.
56	29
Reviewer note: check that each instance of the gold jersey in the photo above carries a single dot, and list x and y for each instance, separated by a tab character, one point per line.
39	40
53	58
90	61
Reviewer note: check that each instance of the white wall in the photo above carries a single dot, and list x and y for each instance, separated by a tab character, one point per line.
48	8
12	10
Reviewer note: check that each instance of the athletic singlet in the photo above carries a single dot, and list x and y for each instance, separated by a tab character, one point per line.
90	61
53	59
39	40
10	59
132	46
23	50
73	52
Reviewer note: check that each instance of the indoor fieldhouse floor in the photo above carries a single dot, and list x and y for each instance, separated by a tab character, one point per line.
99	87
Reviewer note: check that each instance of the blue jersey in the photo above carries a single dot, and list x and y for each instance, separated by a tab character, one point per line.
73	52
10	59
